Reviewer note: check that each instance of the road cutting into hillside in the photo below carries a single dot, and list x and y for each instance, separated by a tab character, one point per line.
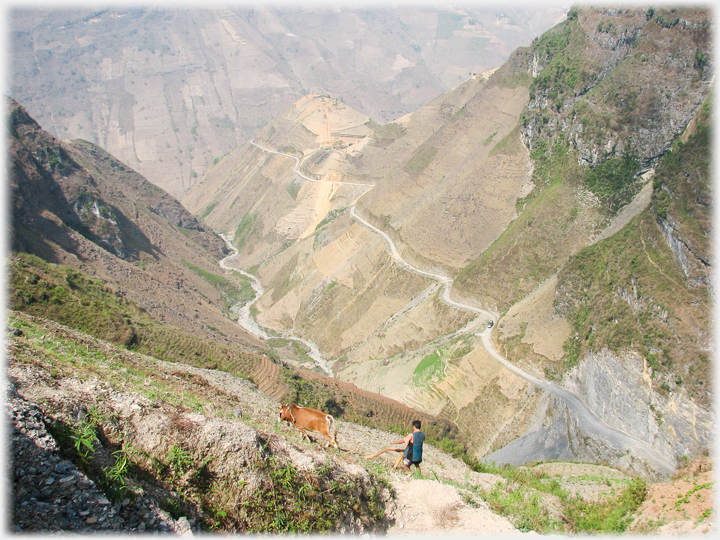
591	423
296	170
587	417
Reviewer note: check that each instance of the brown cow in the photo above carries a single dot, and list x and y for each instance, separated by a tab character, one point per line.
307	419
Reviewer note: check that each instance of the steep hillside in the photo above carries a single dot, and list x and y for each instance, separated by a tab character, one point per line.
72	203
163	448
655	286
106	440
631	312
578	115
498	187
94	245
64	295
232	195
168	91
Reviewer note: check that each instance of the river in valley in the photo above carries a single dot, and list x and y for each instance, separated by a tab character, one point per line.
246	321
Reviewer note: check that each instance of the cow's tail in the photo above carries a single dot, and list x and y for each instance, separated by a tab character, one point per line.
331	426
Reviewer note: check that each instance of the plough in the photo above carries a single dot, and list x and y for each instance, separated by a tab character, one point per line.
392	449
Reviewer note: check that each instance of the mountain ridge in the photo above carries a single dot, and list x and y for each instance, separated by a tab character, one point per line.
326	213
339	287
132	79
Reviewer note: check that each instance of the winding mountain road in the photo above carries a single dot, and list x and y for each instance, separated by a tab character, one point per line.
591	423
297	170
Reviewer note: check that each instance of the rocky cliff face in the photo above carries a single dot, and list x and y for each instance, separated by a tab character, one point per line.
620	390
619	80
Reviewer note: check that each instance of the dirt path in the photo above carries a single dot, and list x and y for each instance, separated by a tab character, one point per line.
427	507
436	503
444	501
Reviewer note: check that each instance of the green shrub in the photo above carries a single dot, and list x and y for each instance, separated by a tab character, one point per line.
293	189
114	480
522	506
245	229
178	460
206	213
84	435
614	181
518	498
609	516
330	217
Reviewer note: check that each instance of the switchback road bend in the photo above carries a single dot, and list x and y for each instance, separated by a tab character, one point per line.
587	419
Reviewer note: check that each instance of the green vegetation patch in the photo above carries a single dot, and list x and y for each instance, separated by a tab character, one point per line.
246	228
613	282
566	71
293	189
288	277
516	71
519	496
479	43
507	144
614	181
388	133
554	161
419	161
208	210
429	369
522	506
527	252
560	75
233	293
630	292
460	113
71	298
330	217
609	516
298	501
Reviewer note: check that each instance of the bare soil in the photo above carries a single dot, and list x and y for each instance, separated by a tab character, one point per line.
682	506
